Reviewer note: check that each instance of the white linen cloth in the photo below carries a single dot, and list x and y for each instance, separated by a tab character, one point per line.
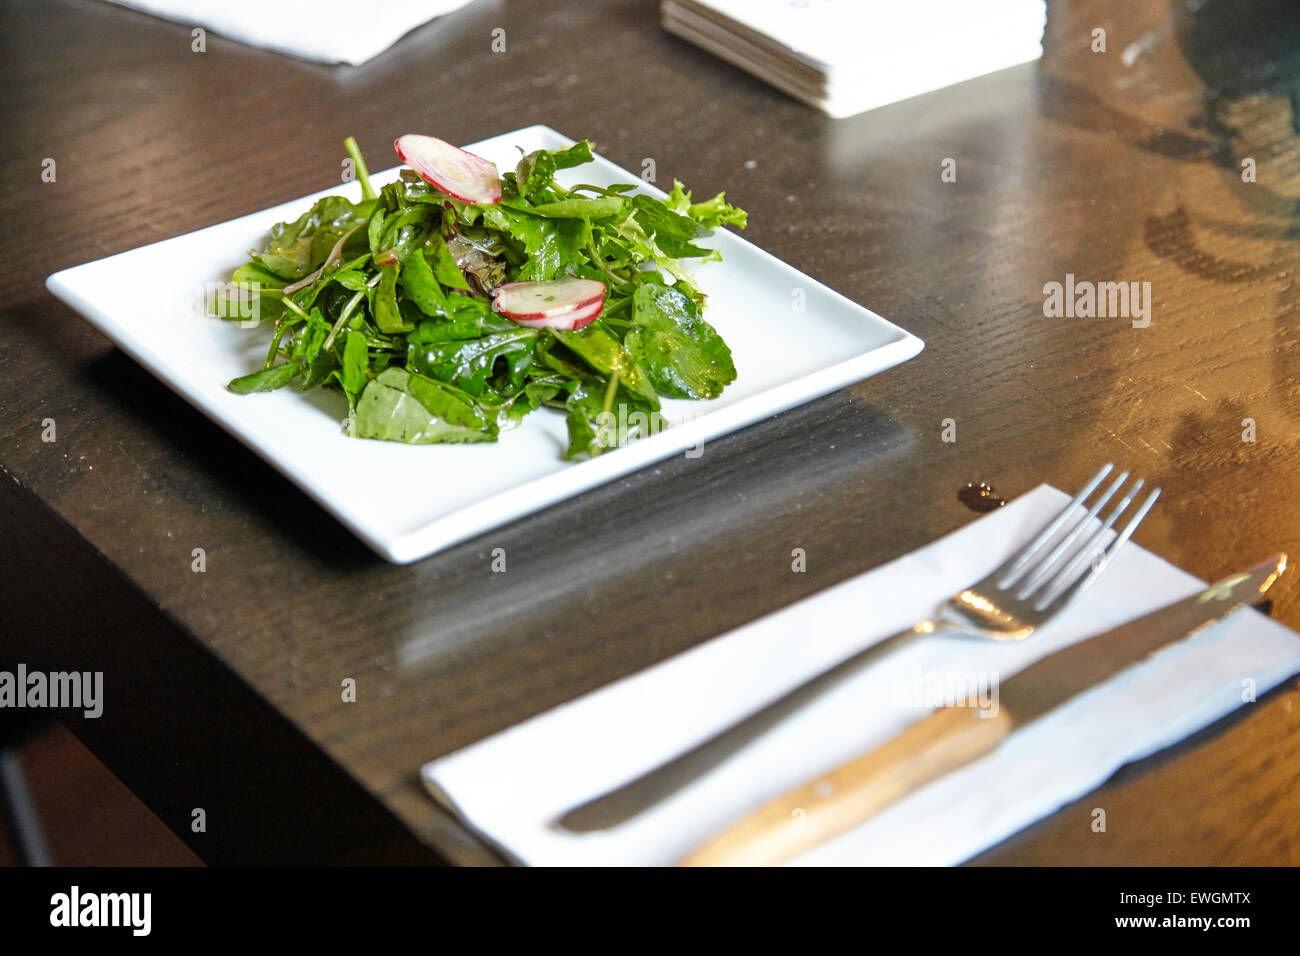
511	786
328	31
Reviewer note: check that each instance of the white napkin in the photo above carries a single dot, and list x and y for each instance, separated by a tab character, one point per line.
511	786
328	31
847	56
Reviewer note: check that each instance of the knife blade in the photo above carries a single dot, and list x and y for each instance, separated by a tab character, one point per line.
952	737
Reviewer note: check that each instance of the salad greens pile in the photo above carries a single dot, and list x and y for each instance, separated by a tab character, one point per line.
390	301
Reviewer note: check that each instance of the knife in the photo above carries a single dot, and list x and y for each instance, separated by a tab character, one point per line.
955	736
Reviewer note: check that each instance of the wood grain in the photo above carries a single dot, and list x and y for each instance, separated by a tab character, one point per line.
1120	166
822	809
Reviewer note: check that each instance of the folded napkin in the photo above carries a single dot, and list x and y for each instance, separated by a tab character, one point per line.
847	56
328	31
511	786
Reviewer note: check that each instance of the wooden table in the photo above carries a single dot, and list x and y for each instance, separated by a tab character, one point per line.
223	687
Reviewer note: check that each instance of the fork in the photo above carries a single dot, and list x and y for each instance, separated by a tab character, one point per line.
1020	596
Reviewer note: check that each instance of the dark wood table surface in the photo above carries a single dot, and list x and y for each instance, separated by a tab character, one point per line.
223	688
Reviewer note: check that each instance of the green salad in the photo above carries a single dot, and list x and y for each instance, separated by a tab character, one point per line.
451	303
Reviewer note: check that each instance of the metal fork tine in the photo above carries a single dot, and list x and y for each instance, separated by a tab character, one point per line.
1088	549
1013	564
1044	567
1057	598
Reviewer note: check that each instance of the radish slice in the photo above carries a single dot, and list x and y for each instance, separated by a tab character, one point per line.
566	321
547	299
459	174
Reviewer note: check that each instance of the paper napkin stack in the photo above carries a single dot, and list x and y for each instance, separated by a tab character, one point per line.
847	56
327	31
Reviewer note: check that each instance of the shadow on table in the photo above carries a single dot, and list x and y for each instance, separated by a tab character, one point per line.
252	484
678	518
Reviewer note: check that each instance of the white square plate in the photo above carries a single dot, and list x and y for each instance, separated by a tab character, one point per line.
783	358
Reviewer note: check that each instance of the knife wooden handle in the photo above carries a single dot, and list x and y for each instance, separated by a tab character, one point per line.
813	813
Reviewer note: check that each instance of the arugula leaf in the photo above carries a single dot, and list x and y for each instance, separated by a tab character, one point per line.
601	207
559	252
421	286
584	408
466	318
550	246
607	385
252	292
682	355
604	353
356	359
404	232
576	155
266	379
388	316
250	273
671	231
296	248
401	406
536	171
711	213
375	226
468	363
444	264
310	337
528	399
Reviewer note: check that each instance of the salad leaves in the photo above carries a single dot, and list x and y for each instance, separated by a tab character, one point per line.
401	302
